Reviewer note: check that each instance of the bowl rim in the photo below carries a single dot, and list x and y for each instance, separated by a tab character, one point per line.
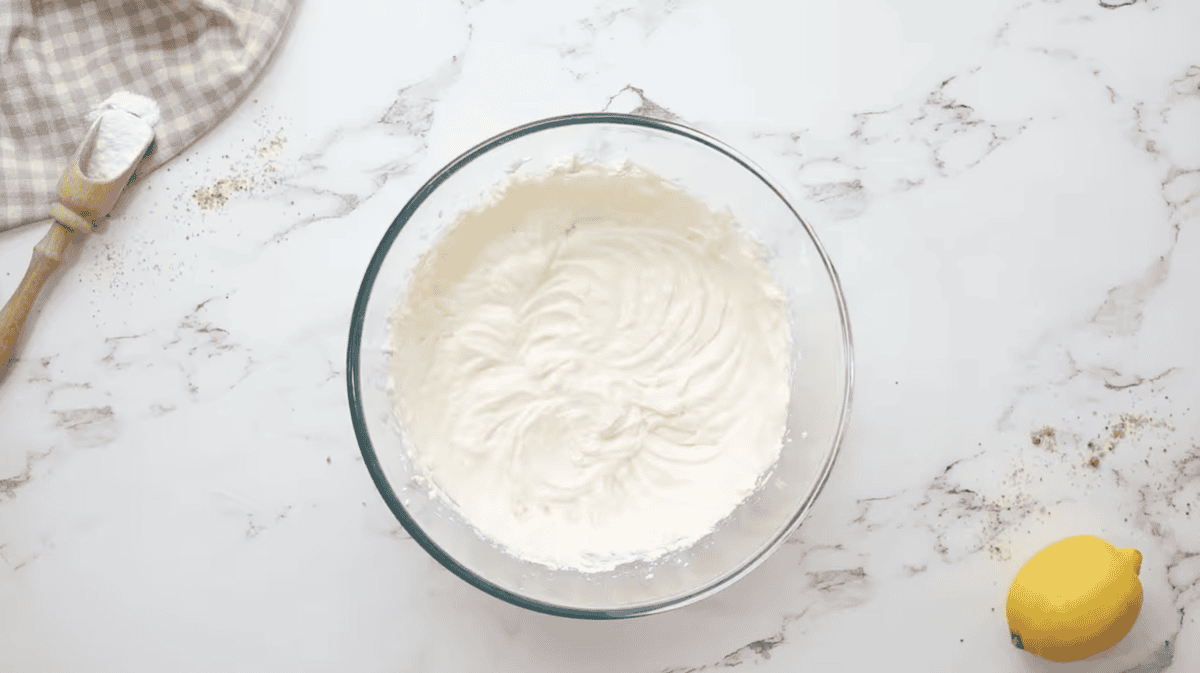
354	376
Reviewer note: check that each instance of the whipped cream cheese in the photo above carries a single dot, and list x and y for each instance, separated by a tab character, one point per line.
592	367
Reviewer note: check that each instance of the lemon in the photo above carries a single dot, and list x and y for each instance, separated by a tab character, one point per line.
1075	598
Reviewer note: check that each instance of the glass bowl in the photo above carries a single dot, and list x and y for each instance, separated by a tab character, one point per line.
821	384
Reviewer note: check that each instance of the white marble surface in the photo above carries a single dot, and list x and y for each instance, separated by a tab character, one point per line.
1009	188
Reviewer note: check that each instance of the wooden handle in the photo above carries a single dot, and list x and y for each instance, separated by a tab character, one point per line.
47	255
81	200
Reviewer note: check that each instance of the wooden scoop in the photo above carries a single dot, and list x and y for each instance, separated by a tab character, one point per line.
82	201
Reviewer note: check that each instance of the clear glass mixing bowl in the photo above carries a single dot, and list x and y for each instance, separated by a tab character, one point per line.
821	384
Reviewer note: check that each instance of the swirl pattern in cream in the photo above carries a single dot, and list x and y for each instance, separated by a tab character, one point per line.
595	367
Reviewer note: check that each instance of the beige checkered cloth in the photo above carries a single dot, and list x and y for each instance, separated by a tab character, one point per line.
196	58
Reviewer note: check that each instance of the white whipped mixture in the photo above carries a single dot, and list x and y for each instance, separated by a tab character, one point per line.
593	367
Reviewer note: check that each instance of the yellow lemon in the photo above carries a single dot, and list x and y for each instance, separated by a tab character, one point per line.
1075	598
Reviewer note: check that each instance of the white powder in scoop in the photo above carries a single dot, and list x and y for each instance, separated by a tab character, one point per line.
593	369
126	126
145	108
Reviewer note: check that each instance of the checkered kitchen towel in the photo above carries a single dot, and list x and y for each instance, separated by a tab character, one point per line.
196	58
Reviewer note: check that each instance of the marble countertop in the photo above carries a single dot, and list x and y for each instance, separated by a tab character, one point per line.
1010	190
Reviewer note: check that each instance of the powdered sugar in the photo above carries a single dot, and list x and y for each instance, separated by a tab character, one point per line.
145	108
126	122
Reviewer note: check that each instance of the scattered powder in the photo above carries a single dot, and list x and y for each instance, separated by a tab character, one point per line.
217	194
1044	437
1119	427
272	146
1015	505
250	175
